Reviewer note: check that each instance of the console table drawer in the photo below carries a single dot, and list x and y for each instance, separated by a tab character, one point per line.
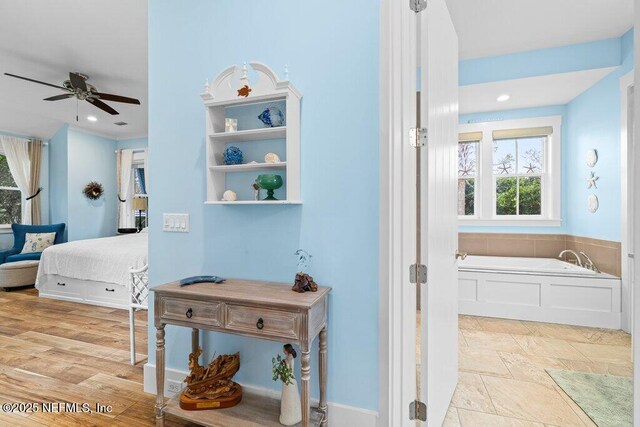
192	311
263	321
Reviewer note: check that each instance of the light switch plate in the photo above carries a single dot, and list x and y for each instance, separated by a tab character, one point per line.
175	223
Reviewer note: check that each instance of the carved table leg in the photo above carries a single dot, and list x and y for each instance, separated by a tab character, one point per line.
306	390
160	375
195	339
323	377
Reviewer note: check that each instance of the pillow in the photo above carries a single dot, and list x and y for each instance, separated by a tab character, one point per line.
37	242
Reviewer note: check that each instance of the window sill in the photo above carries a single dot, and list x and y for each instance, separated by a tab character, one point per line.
6	229
510	222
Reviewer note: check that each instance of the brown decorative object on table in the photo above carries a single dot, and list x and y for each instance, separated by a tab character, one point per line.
304	283
244	91
93	190
211	387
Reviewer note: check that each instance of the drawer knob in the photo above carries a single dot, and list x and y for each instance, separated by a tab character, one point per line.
189	313
260	324
109	290
62	284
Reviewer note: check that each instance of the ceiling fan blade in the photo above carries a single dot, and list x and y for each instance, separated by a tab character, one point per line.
34	81
59	97
116	98
78	82
101	105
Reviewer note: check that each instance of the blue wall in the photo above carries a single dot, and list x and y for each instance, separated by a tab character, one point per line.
91	158
134	143
75	159
58	177
336	68
591	120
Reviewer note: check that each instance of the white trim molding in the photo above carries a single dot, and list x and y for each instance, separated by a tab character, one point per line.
398	113
626	178
551	177
339	414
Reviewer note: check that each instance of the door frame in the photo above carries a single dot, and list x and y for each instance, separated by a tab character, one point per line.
626	82
398	87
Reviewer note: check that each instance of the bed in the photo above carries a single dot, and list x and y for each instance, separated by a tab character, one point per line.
94	271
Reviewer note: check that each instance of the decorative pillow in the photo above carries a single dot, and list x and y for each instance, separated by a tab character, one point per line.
37	242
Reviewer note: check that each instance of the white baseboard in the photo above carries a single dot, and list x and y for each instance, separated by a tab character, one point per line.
339	415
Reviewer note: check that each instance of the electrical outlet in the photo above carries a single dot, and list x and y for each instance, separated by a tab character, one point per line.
176	223
174	386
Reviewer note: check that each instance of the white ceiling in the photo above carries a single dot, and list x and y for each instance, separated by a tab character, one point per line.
498	27
554	89
45	40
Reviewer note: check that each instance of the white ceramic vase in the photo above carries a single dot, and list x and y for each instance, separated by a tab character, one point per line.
290	408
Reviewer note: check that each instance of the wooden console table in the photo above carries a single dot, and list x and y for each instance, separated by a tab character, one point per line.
264	310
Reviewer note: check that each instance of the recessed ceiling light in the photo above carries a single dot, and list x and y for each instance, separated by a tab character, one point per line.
503	98
92	118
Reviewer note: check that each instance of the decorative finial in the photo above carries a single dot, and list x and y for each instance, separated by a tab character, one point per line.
206	85
244	79
286	72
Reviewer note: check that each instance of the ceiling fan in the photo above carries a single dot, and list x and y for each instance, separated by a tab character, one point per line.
78	87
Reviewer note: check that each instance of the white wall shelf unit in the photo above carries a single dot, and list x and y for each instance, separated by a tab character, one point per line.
225	98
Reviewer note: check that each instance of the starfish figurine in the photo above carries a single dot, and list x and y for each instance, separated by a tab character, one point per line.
504	168
531	168
592	180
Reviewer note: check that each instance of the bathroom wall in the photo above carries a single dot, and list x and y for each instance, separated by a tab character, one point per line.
591	120
134	143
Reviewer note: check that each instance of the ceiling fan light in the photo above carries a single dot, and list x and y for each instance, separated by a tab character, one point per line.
92	118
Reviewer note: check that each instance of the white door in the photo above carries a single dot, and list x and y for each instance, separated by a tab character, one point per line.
439	228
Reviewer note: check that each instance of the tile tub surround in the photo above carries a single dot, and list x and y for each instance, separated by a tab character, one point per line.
604	253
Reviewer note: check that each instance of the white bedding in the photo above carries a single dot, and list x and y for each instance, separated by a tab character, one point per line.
104	260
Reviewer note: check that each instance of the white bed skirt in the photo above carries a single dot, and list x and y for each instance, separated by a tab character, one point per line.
84	291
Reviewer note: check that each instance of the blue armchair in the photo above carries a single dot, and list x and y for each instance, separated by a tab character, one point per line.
19	235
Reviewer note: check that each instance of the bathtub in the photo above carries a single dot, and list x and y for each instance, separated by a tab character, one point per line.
538	289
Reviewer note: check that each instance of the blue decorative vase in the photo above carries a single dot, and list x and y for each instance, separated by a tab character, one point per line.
272	117
232	156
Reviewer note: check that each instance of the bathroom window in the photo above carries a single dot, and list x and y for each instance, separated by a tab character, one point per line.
467	173
509	172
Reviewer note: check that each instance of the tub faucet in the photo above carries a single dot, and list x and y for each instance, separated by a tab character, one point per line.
589	264
578	260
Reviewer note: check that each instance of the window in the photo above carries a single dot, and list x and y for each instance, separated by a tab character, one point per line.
509	172
467	173
10	196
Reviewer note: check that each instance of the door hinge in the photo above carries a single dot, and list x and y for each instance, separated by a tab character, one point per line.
417	411
418	273
418	137
418	5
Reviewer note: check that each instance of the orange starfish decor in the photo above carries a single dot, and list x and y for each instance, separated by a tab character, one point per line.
244	91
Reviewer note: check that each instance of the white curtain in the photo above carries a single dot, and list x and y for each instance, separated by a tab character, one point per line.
17	152
125	192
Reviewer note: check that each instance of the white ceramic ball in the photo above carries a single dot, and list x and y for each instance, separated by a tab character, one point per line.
271	158
229	196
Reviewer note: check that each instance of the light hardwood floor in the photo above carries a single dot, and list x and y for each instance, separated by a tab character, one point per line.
502	371
55	351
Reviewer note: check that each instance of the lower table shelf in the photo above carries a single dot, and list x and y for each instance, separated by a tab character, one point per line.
252	411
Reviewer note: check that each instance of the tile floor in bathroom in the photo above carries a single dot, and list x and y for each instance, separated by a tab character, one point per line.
502	371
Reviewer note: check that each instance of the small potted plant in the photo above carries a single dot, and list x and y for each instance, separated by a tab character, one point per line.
290	408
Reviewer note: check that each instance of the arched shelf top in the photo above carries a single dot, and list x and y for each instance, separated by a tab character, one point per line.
233	86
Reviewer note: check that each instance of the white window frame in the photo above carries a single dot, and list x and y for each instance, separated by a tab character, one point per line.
5	226
484	206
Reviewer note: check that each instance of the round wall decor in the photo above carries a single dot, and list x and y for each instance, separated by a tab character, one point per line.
93	190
